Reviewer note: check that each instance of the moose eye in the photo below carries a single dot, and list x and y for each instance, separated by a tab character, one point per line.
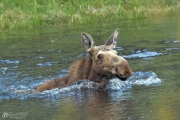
100	57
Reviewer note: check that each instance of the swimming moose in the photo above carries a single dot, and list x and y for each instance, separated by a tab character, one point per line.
101	64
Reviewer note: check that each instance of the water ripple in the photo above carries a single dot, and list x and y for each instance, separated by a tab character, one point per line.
10	61
46	64
143	54
173	41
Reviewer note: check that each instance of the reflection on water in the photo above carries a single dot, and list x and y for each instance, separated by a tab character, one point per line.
28	58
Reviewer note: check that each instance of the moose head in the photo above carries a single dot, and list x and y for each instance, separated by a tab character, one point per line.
106	60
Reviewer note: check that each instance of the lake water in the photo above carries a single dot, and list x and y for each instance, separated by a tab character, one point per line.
30	57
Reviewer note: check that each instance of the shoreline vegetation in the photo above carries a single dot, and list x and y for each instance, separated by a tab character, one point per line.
16	14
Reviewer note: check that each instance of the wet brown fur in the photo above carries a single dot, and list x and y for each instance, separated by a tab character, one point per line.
102	64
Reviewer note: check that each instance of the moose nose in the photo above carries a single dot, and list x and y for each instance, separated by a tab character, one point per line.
123	75
123	70
127	75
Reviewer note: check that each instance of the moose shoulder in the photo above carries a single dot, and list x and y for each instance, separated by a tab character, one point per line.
102	64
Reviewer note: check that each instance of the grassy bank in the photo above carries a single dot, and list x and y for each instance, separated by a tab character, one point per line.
34	13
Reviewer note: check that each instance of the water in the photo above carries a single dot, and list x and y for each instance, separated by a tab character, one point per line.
30	57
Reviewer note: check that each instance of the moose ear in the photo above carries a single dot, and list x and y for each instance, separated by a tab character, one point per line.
112	41
87	41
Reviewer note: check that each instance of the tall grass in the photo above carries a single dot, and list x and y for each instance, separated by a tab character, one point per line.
34	13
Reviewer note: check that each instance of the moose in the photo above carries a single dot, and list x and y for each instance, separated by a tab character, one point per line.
100	65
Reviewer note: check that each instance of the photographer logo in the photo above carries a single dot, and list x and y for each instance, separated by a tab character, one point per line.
18	115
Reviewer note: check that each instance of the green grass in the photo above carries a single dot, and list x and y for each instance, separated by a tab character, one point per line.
34	13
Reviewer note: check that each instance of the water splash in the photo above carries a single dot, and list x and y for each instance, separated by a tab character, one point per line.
144	78
25	91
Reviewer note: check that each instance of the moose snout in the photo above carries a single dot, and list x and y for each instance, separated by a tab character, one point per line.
124	71
124	77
